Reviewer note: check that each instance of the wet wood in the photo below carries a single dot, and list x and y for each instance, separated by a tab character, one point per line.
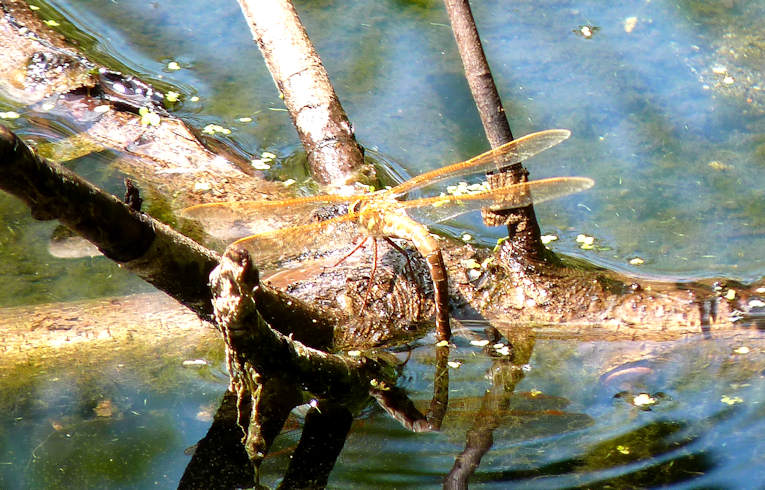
92	328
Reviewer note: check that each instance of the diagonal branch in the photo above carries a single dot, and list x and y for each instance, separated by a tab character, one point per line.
324	129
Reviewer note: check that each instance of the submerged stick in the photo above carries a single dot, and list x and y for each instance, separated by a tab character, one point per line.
162	257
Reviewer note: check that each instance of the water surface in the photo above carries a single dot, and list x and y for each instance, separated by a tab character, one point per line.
666	107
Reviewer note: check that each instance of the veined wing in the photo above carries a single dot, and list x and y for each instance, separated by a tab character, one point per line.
269	249
431	210
272	248
513	152
235	219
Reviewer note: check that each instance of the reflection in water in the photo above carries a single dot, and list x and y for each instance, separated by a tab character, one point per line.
547	414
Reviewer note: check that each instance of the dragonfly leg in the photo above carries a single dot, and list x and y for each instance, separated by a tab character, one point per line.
361	244
406	256
371	276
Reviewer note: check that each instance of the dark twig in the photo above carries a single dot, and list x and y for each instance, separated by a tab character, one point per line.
522	227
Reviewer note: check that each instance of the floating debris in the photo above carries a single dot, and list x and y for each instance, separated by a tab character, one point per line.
586	31
643	400
194	363
585	241
148	117
731	400
629	24
215	128
548	239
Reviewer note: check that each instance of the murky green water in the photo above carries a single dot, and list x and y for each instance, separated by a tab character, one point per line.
667	118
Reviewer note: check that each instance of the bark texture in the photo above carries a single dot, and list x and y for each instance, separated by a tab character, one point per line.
324	129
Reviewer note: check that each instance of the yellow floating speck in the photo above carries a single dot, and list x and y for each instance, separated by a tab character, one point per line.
742	350
629	24
479	343
643	399
454	364
585	239
149	118
731	400
215	128
173	65
548	239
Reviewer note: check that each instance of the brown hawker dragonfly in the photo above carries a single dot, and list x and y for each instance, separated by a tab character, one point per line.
381	214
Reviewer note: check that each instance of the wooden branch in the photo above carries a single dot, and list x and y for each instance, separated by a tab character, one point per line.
158	254
522	226
478	73
271	354
325	131
155	252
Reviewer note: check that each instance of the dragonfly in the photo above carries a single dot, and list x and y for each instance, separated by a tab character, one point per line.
276	231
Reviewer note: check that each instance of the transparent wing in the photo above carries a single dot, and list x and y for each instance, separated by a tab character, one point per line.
272	248
230	220
513	152
435	209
